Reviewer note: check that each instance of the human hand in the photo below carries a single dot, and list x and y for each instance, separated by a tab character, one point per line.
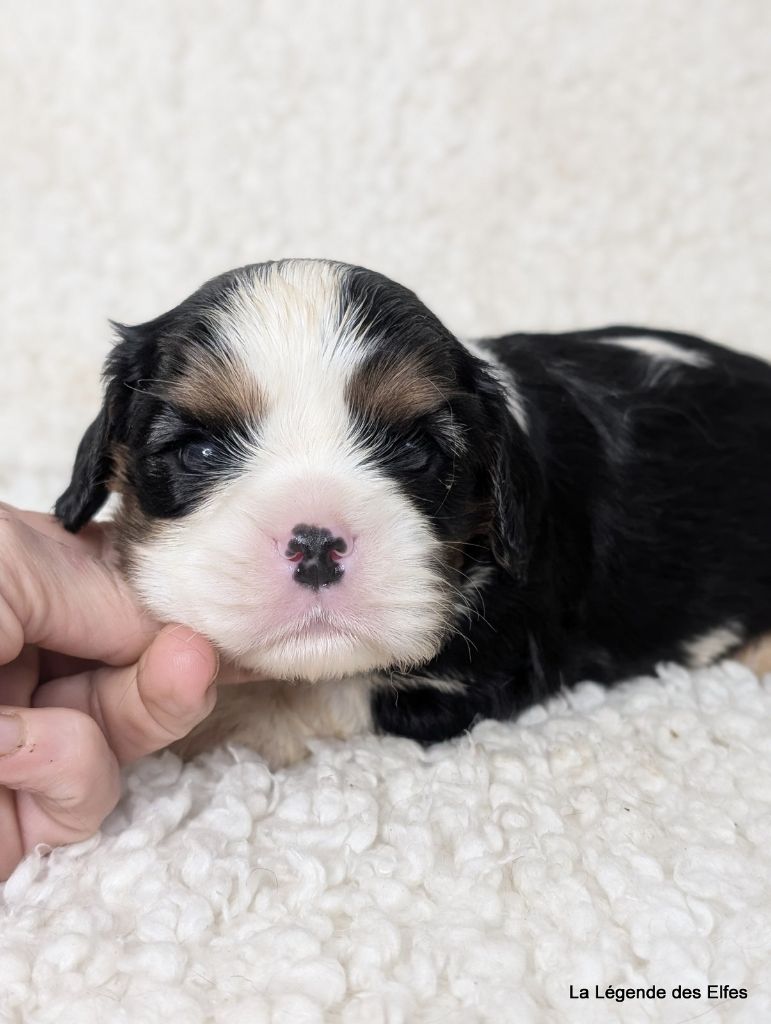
87	682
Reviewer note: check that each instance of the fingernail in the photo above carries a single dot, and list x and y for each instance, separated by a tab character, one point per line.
11	732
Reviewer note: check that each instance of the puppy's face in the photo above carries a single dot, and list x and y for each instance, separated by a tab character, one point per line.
302	452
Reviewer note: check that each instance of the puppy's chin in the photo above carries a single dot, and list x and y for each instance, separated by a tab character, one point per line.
313	658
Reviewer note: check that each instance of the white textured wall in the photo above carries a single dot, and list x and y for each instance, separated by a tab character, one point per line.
520	164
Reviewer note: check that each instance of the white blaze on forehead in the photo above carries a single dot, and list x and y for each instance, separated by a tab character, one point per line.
659	349
285	326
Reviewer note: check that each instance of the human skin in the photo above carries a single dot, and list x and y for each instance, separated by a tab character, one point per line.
88	682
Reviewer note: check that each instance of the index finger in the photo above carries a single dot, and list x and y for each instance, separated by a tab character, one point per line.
60	597
93	539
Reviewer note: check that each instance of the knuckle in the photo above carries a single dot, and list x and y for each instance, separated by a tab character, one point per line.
14	574
86	761
11	633
9	531
81	733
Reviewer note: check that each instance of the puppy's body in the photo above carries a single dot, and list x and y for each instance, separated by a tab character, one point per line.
409	533
654	450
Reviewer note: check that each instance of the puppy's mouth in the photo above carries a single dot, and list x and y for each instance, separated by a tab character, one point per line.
319	624
318	645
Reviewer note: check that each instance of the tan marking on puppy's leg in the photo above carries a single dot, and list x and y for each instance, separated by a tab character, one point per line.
278	718
756	655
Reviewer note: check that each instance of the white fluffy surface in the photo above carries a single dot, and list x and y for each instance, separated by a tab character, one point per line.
619	838
522	165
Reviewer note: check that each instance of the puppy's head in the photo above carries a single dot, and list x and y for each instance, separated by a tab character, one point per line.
302	452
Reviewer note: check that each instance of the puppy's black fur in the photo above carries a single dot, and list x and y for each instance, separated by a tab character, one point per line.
651	526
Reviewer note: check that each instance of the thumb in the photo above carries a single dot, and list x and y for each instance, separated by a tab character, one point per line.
146	706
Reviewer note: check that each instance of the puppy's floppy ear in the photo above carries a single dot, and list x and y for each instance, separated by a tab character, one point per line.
515	483
89	485
87	491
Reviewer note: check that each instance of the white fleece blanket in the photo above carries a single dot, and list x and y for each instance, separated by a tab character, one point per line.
522	165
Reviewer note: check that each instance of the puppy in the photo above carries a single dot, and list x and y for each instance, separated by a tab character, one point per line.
390	529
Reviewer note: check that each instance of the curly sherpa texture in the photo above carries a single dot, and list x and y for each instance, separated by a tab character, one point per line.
540	164
616	838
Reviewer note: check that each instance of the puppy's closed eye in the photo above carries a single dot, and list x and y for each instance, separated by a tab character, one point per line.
411	448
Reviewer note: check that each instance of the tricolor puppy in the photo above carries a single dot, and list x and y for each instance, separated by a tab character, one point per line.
395	530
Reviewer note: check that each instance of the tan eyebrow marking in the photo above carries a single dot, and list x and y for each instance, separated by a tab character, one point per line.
398	388
215	386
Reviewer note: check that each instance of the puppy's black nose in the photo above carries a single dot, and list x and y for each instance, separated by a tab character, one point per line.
317	553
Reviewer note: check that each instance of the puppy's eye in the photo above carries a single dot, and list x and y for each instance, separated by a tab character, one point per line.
419	452
416	453
199	456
